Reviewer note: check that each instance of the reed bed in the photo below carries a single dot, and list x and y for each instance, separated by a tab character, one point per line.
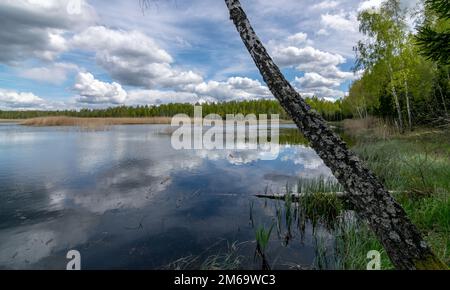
92	122
370	127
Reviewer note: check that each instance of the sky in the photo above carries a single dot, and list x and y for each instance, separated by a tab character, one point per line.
72	54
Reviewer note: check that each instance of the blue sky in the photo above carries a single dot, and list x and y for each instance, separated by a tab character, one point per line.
71	54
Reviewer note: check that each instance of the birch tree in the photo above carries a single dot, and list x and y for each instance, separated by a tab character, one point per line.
385	30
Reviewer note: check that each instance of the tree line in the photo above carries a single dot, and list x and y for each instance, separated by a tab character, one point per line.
331	111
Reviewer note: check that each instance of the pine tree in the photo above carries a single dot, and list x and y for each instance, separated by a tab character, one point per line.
434	35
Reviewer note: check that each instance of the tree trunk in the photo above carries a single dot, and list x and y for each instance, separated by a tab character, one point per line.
397	102
401	239
359	110
408	105
443	99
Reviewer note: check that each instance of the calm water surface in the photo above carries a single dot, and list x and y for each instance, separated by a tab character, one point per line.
125	199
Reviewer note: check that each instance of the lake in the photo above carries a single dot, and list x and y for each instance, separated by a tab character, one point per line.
125	199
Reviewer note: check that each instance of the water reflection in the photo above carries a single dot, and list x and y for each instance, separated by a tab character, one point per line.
125	199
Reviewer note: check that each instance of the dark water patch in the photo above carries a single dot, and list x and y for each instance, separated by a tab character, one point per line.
125	199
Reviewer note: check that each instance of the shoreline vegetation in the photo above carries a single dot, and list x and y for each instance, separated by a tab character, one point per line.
11	120
416	166
91	122
61	121
331	111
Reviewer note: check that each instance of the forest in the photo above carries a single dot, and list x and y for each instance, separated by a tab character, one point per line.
406	71
331	111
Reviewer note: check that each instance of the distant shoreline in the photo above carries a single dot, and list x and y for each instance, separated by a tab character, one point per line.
93	122
89	122
11	120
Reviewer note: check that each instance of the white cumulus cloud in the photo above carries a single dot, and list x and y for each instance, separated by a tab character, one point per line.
346	22
325	5
156	97
132	58
322	72
31	28
234	88
314	80
295	56
370	5
298	38
94	91
10	99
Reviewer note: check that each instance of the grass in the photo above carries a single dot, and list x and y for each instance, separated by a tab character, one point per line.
353	240
263	237
369	127
262	241
228	259
291	136
318	202
92	122
313	201
432	216
416	164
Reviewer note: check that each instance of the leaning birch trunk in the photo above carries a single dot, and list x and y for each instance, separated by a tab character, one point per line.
400	238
